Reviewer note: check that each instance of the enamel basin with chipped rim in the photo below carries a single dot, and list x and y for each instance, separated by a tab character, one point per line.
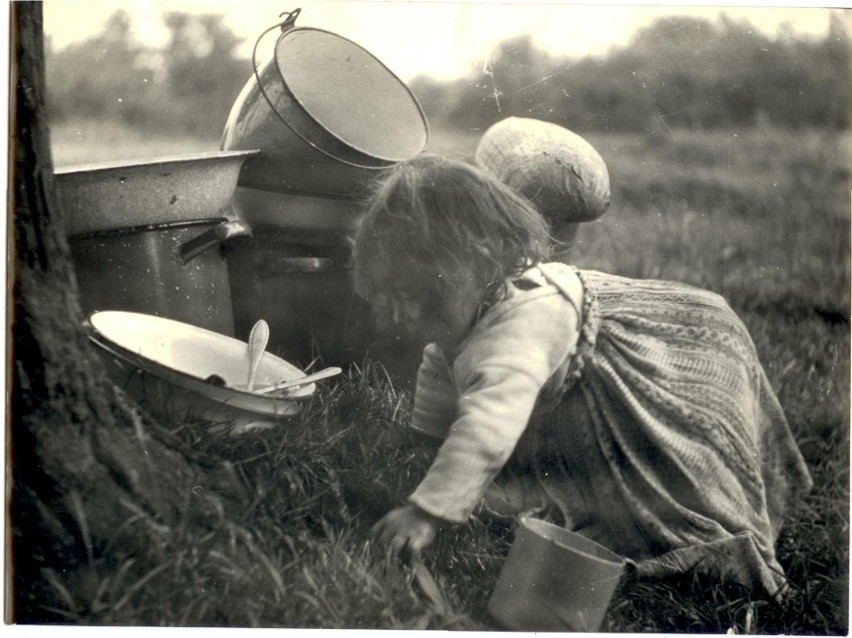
170	365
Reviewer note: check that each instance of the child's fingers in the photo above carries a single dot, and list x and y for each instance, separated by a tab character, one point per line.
414	546
382	533
403	533
398	545
409	552
376	530
389	537
385	527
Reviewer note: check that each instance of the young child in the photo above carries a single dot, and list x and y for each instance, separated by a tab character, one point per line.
636	411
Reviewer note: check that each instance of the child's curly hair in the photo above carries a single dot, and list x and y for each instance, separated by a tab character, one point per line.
434	220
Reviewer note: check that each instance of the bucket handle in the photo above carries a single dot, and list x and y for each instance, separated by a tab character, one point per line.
212	237
285	26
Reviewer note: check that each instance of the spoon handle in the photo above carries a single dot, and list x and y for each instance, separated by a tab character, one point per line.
316	376
258	338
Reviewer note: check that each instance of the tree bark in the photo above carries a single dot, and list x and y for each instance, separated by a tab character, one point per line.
84	460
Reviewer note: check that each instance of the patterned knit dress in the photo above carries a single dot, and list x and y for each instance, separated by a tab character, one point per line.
654	432
678	455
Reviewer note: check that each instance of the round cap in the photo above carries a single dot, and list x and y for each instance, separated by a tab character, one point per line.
557	170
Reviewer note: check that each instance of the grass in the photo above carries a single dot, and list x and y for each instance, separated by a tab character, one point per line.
761	216
91	141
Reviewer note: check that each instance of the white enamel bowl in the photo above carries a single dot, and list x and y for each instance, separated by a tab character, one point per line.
190	372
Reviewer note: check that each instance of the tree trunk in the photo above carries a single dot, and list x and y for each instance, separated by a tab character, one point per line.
85	461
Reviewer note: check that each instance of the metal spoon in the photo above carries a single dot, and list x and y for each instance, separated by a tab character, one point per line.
258	338
316	376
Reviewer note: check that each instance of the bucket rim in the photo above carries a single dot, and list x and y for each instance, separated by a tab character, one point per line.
608	556
371	156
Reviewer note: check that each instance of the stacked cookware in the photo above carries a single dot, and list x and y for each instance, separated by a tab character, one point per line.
151	236
327	118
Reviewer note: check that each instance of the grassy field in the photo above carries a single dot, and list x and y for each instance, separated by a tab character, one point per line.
760	216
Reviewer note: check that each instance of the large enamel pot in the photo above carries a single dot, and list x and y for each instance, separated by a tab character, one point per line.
150	235
304	291
326	115
175	270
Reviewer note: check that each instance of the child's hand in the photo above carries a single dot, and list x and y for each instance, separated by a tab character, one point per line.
406	530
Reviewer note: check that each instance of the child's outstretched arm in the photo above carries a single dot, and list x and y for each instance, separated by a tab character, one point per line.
499	374
498	380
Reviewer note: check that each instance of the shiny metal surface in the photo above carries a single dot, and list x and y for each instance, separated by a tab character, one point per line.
144	270
326	115
114	195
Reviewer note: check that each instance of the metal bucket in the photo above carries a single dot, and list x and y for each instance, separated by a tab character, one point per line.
300	216
175	270
326	115
554	580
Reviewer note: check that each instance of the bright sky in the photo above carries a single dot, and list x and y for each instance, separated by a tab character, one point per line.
442	38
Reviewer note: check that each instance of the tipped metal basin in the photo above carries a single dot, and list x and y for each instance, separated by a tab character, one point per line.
112	195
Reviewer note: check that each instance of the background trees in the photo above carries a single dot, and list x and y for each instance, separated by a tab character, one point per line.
188	86
678	72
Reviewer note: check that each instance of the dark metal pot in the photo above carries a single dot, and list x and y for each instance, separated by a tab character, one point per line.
302	287
174	270
326	115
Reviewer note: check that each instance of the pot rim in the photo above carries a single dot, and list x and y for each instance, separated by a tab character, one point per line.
95	167
147	228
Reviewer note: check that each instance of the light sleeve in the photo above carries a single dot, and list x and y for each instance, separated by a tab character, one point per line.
435	397
498	374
